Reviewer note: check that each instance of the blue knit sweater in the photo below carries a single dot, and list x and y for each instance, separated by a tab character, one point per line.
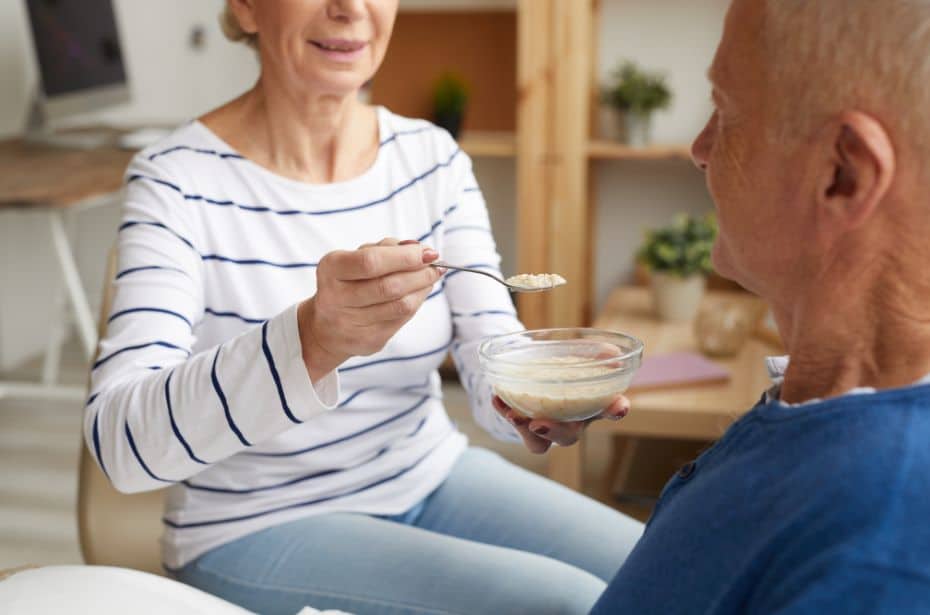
821	508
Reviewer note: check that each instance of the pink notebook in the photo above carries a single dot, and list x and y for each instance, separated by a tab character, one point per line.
677	369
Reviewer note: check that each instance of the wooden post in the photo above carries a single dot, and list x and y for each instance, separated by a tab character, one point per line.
569	243
593	132
534	91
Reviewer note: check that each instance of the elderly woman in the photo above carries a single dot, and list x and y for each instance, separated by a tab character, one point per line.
283	380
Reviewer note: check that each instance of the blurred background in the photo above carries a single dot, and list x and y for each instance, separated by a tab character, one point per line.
578	116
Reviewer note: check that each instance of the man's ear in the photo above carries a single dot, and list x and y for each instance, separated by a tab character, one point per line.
860	170
244	10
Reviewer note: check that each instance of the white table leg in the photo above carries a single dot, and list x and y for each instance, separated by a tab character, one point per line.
57	333
59	327
84	318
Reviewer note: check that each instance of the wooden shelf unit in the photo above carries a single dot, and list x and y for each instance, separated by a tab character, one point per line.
532	68
489	144
610	150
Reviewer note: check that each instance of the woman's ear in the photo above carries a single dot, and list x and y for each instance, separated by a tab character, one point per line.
860	171
244	10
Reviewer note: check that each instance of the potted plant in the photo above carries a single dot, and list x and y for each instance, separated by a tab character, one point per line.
634	95
678	258
450	96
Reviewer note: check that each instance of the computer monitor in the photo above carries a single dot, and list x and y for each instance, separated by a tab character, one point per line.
79	56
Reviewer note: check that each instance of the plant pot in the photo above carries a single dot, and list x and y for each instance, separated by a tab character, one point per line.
677	299
451	122
610	124
637	129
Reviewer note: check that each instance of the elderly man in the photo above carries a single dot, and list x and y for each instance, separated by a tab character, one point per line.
817	156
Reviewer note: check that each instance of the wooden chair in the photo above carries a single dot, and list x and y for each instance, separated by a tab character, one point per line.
116	529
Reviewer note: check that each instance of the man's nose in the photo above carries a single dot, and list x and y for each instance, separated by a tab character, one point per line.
700	149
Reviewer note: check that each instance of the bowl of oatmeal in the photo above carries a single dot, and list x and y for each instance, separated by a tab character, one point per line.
560	374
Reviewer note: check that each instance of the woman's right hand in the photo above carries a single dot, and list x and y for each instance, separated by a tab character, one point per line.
363	298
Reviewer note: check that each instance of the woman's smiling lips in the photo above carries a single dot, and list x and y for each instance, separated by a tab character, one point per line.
340	49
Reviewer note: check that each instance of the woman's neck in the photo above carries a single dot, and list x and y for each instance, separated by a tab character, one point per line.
307	137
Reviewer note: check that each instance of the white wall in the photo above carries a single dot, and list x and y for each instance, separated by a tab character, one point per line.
677	37
170	82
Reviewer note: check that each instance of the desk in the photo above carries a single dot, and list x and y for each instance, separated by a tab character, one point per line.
58	183
692	413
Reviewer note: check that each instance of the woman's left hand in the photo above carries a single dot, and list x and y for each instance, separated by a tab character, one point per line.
539	434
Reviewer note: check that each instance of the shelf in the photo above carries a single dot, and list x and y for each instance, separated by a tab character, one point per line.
425	45
611	150
457	5
489	144
500	144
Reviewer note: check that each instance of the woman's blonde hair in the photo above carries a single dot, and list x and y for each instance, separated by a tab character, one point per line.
234	31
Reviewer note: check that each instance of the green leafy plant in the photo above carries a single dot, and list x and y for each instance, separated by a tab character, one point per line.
682	248
450	95
636	91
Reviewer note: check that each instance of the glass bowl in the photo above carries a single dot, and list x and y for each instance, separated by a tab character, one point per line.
560	374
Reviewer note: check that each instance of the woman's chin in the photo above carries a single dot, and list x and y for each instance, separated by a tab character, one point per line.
336	82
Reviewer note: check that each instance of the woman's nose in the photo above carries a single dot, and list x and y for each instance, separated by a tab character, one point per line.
346	10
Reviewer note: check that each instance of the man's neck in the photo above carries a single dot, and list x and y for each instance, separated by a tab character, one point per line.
865	330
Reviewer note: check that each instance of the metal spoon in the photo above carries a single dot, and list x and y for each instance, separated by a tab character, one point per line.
514	288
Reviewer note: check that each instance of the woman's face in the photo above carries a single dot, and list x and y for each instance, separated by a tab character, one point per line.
323	46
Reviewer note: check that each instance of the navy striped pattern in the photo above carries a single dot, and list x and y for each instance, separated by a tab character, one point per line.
132	223
421	355
303	479
348	400
139	347
197	150
132	270
387	479
404	133
151	310
236	156
296	212
232	424
277	379
348	437
489	267
135	451
252	261
96	438
231	314
174	423
510	313
215	380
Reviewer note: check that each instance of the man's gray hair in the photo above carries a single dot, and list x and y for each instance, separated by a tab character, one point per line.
833	55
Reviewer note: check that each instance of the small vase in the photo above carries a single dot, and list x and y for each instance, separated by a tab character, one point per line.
611	125
677	299
638	129
451	122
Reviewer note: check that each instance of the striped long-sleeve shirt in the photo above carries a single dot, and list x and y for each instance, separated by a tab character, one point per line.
200	383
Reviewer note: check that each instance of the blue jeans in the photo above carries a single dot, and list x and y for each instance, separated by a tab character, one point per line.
492	539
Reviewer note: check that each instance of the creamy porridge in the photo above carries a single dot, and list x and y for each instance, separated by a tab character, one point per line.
536	280
558	397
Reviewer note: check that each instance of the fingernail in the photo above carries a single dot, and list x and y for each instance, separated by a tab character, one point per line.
429	255
541	430
522	421
441	271
622	412
409	242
